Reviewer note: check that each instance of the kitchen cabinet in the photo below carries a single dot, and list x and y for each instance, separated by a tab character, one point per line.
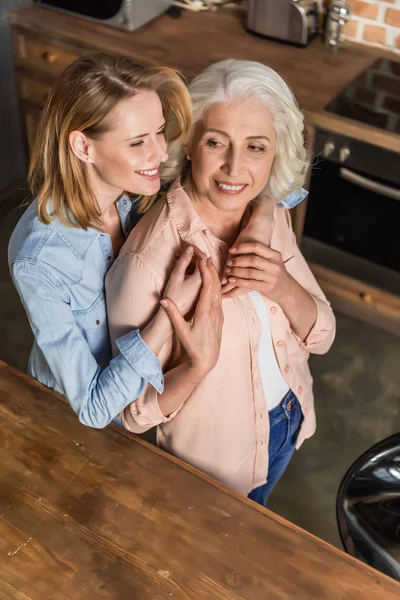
46	41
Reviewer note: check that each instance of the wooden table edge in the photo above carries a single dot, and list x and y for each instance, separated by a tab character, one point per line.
206	478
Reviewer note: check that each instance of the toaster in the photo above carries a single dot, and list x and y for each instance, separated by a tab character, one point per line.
125	14
292	21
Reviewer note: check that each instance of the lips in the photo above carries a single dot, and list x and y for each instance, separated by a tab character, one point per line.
228	187
150	174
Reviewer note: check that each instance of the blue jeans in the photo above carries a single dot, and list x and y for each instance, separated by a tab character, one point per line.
284	421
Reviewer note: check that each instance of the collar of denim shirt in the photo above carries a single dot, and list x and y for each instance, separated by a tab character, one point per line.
78	239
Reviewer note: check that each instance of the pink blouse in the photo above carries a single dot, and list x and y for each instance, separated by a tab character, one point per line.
223	427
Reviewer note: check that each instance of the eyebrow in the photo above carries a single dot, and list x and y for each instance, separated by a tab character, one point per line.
250	137
142	135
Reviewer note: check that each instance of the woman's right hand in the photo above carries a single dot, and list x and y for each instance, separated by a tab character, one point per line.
201	337
182	288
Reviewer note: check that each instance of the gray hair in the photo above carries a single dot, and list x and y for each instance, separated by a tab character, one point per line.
231	79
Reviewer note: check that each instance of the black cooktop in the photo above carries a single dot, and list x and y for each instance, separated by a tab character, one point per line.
373	98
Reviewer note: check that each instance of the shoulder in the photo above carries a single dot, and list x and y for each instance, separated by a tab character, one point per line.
28	237
55	249
31	237
283	238
153	241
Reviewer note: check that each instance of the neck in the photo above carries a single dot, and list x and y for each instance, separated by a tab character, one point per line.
224	224
105	194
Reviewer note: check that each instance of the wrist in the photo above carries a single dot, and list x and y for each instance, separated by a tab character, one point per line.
197	372
284	295
157	332
163	324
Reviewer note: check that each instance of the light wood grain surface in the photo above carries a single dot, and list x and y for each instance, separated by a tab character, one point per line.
88	514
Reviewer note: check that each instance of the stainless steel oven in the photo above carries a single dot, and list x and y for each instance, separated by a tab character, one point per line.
353	213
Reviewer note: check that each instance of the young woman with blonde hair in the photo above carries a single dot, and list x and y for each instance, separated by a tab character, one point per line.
104	132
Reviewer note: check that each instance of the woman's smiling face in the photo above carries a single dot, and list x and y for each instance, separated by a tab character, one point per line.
232	153
128	155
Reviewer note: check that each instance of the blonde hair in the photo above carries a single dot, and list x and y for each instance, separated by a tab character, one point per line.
231	79
82	98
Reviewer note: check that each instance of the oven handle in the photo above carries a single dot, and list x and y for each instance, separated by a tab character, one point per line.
369	184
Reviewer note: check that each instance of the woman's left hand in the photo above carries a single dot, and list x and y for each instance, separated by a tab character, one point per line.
254	266
260	227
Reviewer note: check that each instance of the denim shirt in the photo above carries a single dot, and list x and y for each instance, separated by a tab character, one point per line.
59	274
293	199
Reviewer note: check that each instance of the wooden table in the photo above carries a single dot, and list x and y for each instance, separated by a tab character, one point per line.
87	515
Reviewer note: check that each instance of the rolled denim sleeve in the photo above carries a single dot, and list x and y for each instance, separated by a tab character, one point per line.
96	396
293	199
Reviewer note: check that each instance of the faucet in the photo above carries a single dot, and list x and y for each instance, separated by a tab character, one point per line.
339	13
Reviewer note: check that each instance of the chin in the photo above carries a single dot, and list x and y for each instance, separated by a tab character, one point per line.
145	189
231	202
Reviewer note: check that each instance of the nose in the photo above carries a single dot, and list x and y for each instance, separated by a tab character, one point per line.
234	162
158	152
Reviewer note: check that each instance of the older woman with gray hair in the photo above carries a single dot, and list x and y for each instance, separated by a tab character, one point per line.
241	422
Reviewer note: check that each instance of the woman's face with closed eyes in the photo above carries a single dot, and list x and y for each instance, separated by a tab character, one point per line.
232	153
128	155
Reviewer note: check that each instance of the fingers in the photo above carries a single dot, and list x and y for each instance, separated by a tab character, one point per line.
247	284
243	273
254	248
183	262
214	275
226	286
179	324
234	293
210	294
230	290
248	261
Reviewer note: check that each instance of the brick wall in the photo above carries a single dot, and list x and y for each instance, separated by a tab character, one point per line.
375	23
377	93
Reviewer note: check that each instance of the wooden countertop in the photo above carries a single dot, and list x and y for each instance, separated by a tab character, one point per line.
90	514
196	40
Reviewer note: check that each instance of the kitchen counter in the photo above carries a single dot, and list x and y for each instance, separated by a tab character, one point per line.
91	514
195	40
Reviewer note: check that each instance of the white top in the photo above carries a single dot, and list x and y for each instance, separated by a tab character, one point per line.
274	385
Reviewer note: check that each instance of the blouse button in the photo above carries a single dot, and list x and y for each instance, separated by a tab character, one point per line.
280	344
300	389
286	369
273	310
109	257
97	322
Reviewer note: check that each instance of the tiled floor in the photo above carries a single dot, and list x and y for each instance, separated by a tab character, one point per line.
357	389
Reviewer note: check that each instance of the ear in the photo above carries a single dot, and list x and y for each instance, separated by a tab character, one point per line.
80	146
188	150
